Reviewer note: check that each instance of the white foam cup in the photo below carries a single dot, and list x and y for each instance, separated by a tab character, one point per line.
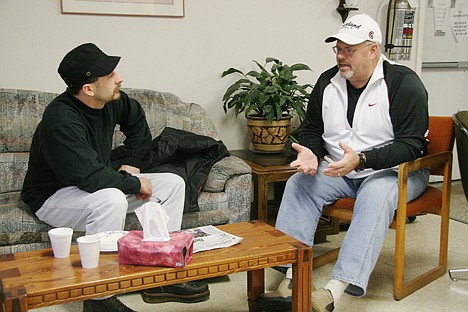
60	238
89	247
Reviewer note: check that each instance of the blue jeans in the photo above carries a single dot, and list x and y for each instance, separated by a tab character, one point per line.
376	202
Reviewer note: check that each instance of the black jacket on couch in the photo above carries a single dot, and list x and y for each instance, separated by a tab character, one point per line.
184	153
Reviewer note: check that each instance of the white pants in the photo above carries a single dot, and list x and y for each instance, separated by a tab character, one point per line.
106	209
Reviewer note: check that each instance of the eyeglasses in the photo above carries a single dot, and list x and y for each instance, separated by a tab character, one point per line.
348	51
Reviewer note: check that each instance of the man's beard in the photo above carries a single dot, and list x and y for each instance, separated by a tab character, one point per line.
347	75
117	94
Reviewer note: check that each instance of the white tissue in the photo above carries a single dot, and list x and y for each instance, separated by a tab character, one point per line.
153	220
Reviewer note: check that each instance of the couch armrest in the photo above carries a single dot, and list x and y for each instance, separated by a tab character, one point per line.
223	170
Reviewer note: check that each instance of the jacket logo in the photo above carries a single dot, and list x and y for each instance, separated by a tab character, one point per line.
371	104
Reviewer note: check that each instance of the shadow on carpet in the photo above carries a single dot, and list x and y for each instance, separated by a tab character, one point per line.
458	202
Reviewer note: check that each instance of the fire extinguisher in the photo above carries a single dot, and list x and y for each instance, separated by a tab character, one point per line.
400	21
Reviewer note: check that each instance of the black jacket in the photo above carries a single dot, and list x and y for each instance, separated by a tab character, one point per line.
184	153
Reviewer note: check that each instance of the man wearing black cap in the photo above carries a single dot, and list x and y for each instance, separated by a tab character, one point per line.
365	116
70	180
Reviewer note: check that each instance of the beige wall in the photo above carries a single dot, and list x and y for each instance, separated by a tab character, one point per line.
186	56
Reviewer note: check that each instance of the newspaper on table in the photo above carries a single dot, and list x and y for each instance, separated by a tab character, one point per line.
209	237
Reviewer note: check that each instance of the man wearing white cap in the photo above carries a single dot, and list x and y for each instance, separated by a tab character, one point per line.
365	116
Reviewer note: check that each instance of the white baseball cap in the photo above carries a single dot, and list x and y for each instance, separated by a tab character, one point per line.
357	29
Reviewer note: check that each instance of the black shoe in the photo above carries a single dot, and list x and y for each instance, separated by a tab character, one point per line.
278	304
183	292
280	269
111	304
279	300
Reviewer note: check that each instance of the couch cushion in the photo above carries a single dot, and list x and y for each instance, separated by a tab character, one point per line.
18	225
13	167
20	112
165	109
214	210
222	171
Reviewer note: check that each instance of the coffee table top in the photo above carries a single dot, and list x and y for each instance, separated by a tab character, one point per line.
47	280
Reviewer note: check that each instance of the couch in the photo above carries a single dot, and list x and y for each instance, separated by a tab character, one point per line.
224	198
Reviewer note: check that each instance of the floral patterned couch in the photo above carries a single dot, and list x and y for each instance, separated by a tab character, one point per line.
225	196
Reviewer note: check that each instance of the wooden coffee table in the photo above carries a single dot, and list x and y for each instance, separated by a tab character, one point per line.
36	279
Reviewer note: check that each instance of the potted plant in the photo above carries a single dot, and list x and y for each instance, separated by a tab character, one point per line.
268	97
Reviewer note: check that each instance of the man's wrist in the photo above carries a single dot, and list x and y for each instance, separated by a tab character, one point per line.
362	162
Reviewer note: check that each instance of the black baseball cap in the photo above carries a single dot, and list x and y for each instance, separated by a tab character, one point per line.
84	62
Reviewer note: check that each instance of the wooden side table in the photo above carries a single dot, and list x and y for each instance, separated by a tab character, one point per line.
266	168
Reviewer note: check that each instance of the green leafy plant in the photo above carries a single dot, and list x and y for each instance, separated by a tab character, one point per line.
269	93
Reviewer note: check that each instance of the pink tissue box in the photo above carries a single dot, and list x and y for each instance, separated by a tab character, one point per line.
176	252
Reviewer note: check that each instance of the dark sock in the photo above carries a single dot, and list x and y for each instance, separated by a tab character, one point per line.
354	291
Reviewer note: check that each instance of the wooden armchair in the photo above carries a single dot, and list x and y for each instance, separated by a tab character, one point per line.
433	200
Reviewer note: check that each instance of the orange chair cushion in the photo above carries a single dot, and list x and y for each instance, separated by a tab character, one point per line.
429	201
344	203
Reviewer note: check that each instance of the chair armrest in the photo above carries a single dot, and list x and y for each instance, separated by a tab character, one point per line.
442	158
224	169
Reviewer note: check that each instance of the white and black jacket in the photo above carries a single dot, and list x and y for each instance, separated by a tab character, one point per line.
390	121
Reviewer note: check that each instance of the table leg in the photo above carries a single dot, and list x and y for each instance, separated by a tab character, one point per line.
254	210
255	287
302	281
16	305
262	198
13	299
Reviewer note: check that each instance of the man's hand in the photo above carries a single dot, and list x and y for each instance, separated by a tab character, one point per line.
146	189
306	161
347	164
129	169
